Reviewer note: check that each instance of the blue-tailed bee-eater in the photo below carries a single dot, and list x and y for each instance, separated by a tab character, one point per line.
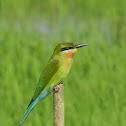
56	70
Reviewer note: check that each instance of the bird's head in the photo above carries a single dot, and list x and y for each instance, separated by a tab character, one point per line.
67	49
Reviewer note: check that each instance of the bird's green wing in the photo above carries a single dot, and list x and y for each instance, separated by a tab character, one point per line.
46	76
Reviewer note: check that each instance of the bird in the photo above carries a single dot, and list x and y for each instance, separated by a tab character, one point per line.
55	71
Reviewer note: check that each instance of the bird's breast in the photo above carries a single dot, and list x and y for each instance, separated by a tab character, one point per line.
65	65
63	70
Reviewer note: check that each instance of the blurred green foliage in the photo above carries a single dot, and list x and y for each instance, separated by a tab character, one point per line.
95	88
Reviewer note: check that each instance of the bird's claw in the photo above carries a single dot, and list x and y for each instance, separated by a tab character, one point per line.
56	89
61	83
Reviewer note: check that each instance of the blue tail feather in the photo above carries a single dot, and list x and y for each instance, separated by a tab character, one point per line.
42	95
27	112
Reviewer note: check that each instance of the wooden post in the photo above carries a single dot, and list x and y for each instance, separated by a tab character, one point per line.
58	99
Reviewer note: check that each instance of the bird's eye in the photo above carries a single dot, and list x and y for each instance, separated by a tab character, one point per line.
66	48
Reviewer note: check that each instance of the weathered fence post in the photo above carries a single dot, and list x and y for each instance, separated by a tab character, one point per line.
58	99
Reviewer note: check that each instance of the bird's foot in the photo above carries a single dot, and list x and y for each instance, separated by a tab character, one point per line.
56	89
61	83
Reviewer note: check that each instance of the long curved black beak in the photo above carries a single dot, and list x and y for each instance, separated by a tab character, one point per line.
81	45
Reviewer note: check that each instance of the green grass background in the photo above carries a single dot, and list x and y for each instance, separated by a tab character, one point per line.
95	89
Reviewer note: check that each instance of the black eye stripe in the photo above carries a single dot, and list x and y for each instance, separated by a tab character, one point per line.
66	48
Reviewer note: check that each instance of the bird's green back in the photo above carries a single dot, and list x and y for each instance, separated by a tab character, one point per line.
46	75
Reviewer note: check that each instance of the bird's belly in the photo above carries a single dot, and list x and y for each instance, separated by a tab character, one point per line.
59	76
